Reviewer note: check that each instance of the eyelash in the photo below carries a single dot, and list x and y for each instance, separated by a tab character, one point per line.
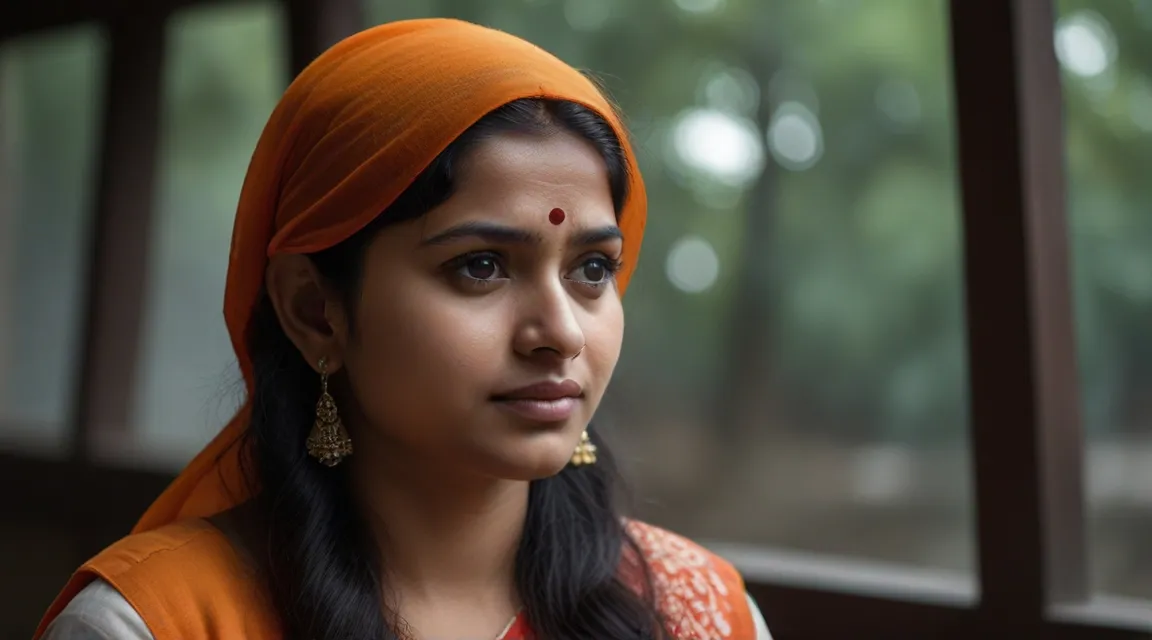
611	265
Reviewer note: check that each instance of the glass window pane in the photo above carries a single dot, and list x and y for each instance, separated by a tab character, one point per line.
1105	51
794	372
50	99
225	70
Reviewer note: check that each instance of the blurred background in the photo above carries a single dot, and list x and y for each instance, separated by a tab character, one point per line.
794	375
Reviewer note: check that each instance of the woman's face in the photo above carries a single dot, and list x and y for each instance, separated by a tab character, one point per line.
485	334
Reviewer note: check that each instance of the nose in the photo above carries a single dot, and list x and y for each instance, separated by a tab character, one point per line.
548	323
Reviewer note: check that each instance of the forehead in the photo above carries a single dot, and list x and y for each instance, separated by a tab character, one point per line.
517	176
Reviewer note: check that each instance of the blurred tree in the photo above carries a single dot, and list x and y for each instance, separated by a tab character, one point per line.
49	111
1105	48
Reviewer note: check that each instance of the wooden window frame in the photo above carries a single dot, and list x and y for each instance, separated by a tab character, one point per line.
1026	440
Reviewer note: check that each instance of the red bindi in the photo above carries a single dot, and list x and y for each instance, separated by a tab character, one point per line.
556	216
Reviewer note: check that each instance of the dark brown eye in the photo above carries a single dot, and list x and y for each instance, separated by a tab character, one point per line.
594	271
481	268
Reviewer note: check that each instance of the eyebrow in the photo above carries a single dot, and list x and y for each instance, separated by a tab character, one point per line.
502	234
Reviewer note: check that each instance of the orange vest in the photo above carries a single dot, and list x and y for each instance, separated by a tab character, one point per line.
188	583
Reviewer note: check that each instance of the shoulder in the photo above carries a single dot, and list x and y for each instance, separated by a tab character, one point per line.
187	561
98	612
700	594
184	580
170	547
673	552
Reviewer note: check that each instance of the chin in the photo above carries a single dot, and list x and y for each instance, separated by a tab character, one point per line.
534	463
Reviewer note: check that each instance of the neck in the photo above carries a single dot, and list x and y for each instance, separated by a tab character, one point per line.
443	536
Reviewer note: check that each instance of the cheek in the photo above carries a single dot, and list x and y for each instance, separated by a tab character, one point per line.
605	335
417	364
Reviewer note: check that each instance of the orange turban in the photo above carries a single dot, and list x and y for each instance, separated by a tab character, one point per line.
348	136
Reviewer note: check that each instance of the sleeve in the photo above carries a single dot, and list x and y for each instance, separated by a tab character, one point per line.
761	626
98	612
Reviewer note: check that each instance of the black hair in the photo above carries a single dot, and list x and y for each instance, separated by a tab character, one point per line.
320	566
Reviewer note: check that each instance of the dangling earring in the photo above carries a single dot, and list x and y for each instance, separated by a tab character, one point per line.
585	452
328	442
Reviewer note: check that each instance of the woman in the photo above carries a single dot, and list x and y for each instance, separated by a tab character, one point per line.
432	239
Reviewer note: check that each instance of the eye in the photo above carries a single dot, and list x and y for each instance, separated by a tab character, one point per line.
596	271
483	267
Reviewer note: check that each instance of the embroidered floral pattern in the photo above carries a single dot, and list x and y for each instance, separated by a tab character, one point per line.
691	594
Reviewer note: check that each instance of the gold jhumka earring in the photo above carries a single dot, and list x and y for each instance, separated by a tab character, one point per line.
328	441
585	452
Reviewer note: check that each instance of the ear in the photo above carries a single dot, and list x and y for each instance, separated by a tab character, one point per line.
311	312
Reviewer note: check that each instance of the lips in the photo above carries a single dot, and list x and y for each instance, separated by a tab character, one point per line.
543	391
543	401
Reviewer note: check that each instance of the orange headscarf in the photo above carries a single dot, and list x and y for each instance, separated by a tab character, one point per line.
348	136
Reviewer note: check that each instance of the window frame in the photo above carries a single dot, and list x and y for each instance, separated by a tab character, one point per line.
1029	496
